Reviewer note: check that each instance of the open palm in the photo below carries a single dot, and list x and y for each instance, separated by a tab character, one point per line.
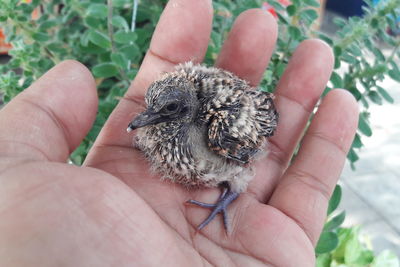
114	212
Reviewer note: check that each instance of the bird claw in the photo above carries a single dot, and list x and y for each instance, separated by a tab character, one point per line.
200	204
226	198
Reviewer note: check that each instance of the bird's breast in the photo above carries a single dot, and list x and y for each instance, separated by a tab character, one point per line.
186	158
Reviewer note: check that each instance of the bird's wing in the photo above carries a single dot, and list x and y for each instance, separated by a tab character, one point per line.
240	122
207	80
239	118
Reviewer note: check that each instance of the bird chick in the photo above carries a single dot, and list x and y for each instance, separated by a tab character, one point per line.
202	127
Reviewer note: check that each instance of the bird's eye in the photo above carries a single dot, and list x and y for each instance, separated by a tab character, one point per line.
184	109
172	107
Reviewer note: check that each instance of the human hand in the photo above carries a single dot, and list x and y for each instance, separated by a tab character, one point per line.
114	212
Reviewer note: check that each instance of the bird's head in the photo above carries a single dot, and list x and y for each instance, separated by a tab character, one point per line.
171	99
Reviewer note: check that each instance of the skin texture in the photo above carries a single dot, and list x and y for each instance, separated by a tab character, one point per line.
114	212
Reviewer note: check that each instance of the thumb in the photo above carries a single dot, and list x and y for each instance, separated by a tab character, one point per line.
50	118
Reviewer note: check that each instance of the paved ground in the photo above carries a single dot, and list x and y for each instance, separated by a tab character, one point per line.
371	193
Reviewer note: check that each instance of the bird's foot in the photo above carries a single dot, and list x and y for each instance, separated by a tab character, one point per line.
226	198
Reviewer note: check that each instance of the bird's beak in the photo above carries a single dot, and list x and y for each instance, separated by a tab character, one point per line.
143	119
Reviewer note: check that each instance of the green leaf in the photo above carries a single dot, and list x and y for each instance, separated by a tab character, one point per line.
294	32
104	57
352	156
105	70
349	58
78	156
27	9
337	63
353	249
393	64
325	38
324	260
386	259
97	10
123	37
336	80
375	23
215	39
45	63
327	242
120	22
395	75
355	50
363	125
356	93
221	8
69	17
340	21
57	47
280	68
364	102
357	141
378	54
309	15
337	50
344	234
93	22
335	222
22	18
335	199
313	3
120	60
132	73
276	5
47	24
385	94
84	40
326	91
40	36
296	2
130	51
375	97
370	72
282	19
94	132
366	258
99	38
121	3
291	10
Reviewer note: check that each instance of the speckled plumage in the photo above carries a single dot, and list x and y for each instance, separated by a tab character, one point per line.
227	128
217	125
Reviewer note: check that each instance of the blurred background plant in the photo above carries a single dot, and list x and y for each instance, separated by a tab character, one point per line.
111	38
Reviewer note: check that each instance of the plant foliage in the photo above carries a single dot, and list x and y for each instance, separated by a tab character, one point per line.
344	247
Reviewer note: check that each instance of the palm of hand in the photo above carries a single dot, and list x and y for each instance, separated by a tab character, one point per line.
114	212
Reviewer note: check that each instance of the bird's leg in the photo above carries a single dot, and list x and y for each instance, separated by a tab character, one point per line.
227	197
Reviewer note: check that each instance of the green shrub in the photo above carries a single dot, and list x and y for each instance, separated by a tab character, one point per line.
344	247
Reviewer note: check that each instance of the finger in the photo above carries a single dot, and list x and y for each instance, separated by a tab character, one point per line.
304	192
49	119
298	91
249	46
182	34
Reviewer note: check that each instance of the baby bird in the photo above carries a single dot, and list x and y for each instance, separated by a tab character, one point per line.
202	127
